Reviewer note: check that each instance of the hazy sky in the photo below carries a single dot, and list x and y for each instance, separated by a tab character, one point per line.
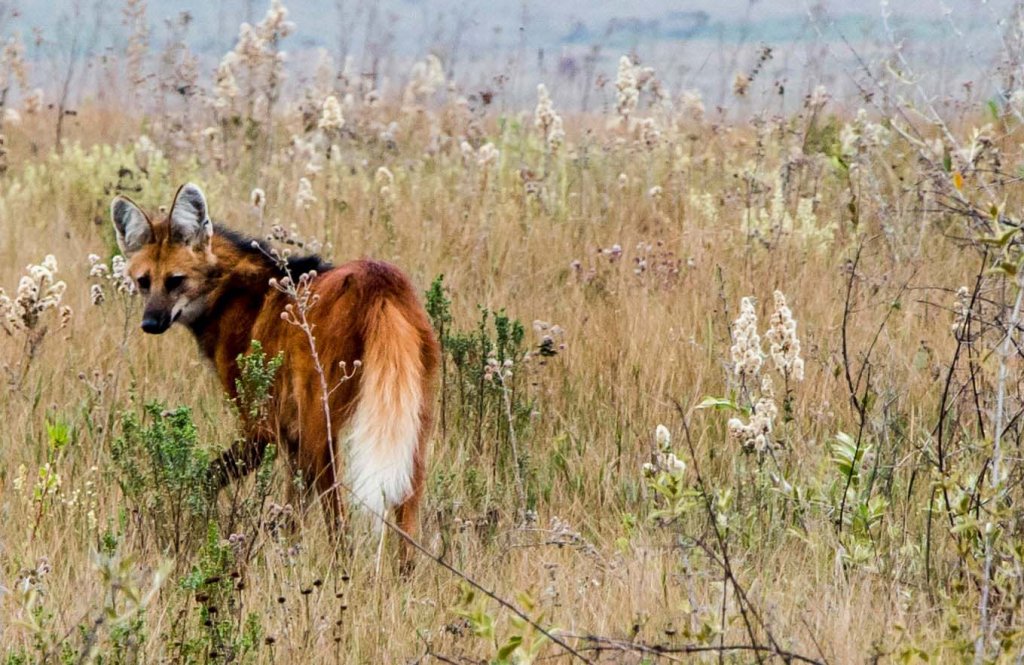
693	43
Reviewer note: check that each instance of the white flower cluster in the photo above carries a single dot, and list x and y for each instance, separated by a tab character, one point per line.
304	196
38	291
748	358
225	86
12	63
256	50
384	177
385	181
784	345
746	353
630	80
664	459
650	136
862	135
426	78
331	117
756	435
628	90
487	155
817	99
548	121
115	275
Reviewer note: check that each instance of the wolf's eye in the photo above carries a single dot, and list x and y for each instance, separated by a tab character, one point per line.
174	281
143	283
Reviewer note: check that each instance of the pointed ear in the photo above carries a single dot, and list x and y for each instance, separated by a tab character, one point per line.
190	218
130	224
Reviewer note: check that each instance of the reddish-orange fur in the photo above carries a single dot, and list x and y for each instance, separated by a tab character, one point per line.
367	311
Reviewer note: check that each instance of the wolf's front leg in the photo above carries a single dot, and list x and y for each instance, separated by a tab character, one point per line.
238	461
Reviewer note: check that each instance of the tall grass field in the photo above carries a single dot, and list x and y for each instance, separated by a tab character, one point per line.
735	383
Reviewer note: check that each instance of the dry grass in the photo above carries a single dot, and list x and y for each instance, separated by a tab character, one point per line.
636	342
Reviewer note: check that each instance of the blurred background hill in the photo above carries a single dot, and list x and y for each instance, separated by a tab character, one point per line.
574	44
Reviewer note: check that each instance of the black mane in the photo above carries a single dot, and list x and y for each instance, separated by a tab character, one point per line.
296	265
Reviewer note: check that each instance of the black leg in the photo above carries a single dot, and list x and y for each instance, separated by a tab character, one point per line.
238	461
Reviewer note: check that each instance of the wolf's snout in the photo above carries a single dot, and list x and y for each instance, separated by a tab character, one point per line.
155	323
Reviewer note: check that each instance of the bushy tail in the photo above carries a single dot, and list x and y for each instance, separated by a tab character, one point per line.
383	434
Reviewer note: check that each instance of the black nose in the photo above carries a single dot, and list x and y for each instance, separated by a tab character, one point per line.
154	324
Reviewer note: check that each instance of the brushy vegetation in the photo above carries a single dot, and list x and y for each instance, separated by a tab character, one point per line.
738	385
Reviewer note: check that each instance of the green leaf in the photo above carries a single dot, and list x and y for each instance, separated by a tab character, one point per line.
58	434
993	108
838	163
847	456
1008	268
718	403
1001	240
510	647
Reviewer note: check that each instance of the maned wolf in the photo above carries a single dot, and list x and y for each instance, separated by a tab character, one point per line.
217	283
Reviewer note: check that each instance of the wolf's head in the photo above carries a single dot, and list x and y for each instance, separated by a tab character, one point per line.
169	256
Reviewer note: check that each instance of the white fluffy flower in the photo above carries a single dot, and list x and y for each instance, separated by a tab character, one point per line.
487	155
664	460
628	92
756	434
662	437
746	353
331	118
38	291
547	121
784	346
304	196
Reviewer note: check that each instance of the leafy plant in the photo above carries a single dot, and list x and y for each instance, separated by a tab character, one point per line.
517	643
256	377
163	472
221	631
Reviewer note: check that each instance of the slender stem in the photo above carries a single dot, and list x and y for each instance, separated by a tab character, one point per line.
520	489
996	478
